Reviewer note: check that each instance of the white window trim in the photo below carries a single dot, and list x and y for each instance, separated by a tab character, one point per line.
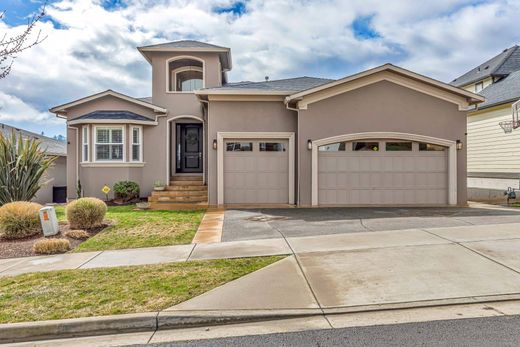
123	128
85	141
221	136
131	144
452	156
481	84
168	61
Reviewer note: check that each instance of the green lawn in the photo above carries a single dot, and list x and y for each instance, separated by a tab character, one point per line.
133	228
131	289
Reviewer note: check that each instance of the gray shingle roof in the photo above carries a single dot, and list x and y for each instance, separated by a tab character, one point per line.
113	115
505	90
50	145
147	99
290	84
185	44
500	65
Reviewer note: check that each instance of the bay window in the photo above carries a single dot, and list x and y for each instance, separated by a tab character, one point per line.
136	144
85	144
109	143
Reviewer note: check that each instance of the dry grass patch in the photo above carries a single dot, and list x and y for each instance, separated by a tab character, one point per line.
94	292
77	234
51	246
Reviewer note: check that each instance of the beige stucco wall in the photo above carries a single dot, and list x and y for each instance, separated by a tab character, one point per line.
382	106
56	176
244	116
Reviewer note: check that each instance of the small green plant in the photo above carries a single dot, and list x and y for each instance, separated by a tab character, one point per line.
79	190
85	213
23	167
20	219
51	246
126	190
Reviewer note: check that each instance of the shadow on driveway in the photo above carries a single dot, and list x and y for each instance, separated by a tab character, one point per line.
250	224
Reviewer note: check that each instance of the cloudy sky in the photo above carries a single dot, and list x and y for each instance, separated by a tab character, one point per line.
90	44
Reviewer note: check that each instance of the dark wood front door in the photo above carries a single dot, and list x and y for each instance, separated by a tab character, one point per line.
189	148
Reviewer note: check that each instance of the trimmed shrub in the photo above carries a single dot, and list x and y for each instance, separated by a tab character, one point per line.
51	246
20	219
126	190
85	213
77	234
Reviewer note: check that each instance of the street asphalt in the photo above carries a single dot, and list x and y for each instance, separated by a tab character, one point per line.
475	332
254	224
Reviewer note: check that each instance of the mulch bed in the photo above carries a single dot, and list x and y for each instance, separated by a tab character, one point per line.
24	247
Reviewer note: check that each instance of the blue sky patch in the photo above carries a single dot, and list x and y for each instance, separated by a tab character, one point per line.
362	28
237	8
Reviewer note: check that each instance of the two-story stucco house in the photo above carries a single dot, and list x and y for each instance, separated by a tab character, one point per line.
385	136
493	158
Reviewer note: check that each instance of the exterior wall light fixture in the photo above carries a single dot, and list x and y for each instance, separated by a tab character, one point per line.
215	144
309	144
459	145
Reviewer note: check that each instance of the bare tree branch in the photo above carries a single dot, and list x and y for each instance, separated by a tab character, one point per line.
11	46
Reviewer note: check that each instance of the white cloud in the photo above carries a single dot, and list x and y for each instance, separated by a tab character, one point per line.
94	49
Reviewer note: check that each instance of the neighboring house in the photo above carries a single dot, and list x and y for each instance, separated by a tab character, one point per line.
56	176
385	136
493	156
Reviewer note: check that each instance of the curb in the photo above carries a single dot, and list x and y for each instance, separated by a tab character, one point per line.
129	323
177	319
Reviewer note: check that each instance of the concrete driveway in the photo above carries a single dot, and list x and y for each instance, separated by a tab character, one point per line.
253	224
379	270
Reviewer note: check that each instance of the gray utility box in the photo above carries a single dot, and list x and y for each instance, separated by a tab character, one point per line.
49	221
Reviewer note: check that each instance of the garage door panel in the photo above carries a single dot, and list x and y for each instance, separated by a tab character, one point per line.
255	176
382	178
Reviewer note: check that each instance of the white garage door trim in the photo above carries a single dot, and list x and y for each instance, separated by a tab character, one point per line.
221	136
452	156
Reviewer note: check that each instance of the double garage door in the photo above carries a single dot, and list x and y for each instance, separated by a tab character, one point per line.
256	171
362	172
382	172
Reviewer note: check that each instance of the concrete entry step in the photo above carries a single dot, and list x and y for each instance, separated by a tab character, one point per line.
178	198
202	192
187	178
187	183
184	188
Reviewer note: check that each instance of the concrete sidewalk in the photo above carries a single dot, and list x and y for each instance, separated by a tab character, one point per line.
480	237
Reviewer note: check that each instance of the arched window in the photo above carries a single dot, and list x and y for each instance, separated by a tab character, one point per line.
185	75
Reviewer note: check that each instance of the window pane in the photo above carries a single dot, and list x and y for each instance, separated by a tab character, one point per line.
365	146
116	152
85	136
135	135
117	136
85	152
334	147
102	136
272	147
398	146
239	146
430	147
102	152
189	80
135	153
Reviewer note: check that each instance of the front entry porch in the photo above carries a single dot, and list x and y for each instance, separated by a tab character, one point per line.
186	187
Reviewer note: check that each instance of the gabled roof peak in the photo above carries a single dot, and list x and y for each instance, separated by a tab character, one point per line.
502	64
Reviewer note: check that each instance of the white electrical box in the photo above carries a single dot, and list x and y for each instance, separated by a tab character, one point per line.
49	221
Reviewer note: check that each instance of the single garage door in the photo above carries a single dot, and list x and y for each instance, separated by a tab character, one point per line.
256	172
382	172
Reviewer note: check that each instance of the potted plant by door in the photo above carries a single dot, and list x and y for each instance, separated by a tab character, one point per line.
158	185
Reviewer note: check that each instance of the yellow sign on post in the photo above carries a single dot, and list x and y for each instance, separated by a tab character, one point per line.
106	190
